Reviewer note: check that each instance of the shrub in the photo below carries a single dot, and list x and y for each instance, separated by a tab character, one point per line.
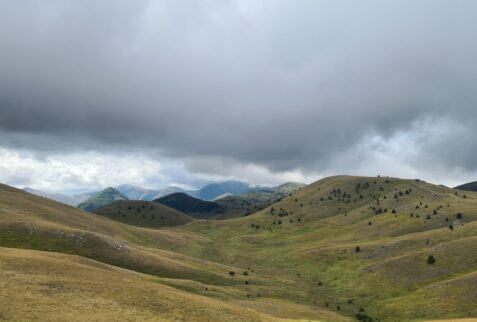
363	317
459	216
357	249
431	260
231	273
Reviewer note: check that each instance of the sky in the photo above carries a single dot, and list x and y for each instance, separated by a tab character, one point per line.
175	92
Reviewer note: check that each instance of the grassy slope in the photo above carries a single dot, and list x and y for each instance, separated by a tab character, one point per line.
31	222
143	213
248	203
389	278
305	268
69	288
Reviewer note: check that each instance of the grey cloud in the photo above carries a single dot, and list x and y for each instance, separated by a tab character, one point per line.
284	84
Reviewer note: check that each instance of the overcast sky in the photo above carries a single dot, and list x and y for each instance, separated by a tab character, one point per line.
98	93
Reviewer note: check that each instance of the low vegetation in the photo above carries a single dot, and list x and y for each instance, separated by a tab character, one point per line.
341	249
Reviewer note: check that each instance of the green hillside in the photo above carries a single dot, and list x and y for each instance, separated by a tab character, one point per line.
143	213
248	203
102	198
341	249
194	207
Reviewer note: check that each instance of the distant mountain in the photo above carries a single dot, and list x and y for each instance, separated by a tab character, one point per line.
101	198
169	190
79	198
69	200
143	213
213	190
137	193
289	187
222	196
228	205
208	192
471	186
194	207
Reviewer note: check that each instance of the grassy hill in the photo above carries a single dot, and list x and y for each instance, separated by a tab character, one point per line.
339	249
194	207
470	186
102	198
250	202
143	213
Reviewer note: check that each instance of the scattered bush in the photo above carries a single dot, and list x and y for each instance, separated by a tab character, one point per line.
431	260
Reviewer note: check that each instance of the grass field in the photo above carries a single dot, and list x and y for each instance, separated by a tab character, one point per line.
339	249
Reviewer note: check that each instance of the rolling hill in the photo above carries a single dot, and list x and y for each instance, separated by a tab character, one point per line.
143	213
102	198
341	249
252	201
470	186
194	207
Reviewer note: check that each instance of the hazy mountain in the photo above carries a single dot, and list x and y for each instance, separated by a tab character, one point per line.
69	200
101	198
214	190
169	190
137	193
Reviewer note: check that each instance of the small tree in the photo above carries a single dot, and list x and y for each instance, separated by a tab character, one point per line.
431	260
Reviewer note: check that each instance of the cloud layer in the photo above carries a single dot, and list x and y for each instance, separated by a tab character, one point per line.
296	89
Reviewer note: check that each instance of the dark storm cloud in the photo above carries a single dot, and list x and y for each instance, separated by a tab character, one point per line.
283	84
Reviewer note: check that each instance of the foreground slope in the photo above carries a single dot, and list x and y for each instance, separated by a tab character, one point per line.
70	288
35	223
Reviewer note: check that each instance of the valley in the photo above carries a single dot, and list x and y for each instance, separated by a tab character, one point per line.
340	249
